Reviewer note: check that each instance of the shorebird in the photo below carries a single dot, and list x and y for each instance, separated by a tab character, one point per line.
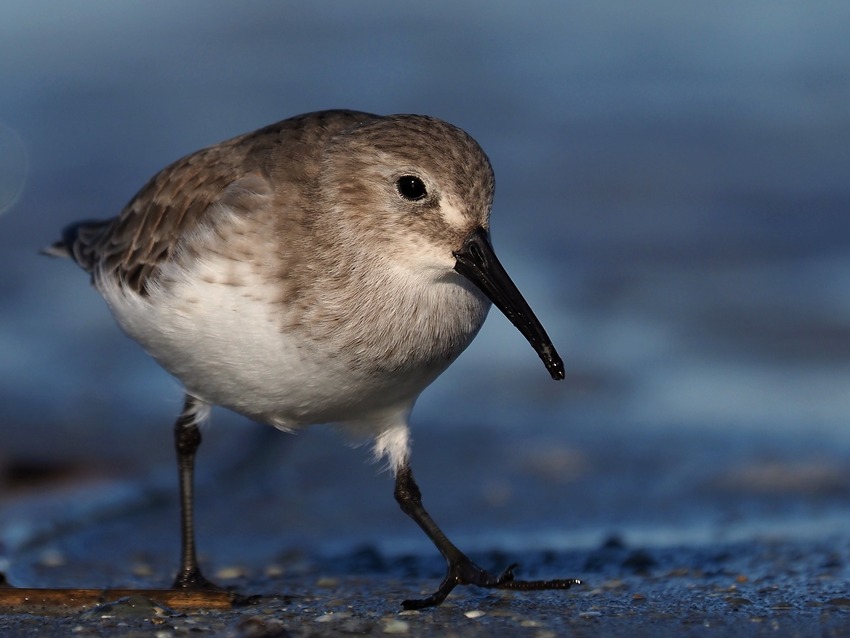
323	269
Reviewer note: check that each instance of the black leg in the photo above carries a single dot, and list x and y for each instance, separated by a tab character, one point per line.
187	438
461	570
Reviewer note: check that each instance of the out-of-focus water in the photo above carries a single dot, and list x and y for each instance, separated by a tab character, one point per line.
673	199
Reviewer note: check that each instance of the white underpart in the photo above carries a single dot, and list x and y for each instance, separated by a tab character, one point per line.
216	326
393	443
200	413
228	350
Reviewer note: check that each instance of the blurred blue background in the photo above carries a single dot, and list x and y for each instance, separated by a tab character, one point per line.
673	199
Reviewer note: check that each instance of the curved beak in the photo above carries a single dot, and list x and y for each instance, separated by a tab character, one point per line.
477	262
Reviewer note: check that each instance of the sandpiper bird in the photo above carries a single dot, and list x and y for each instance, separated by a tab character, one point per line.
323	269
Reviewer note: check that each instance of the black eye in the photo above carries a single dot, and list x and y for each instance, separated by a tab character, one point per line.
411	187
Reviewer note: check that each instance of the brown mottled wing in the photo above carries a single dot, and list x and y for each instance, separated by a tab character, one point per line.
172	203
145	234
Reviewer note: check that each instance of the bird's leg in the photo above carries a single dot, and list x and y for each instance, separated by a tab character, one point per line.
187	438
461	570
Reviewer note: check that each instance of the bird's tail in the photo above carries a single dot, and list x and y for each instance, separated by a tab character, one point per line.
78	242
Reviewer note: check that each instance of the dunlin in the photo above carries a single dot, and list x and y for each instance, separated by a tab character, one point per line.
324	269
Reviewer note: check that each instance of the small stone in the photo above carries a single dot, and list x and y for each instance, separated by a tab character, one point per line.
738	601
327	581
142	570
590	614
274	571
341	615
530	623
395	626
475	613
229	573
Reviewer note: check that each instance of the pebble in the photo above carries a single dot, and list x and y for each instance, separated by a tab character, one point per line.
142	570
331	615
327	582
273	571
395	626
229	573
738	601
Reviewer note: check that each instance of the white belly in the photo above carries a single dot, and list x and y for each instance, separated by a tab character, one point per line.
226	344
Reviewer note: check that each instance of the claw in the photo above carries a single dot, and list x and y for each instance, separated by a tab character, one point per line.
465	572
461	570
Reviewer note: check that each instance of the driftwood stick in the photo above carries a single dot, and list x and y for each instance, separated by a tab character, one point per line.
82	598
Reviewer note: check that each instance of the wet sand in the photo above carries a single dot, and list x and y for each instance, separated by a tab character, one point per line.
745	589
670	537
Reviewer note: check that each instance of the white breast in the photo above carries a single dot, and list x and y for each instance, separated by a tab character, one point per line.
222	337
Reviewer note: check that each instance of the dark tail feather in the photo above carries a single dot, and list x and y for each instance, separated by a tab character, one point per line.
77	243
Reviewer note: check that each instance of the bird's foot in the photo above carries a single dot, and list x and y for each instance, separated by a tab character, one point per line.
464	572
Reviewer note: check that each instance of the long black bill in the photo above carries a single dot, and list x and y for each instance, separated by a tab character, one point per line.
477	262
